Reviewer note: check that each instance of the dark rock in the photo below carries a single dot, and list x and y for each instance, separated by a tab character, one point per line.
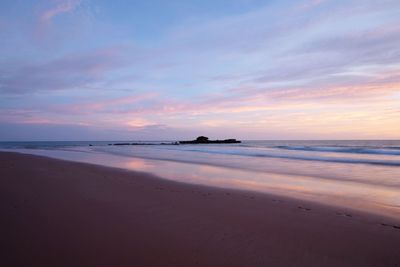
205	140
202	139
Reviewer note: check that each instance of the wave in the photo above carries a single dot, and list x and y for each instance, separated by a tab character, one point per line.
248	153
338	160
355	150
311	158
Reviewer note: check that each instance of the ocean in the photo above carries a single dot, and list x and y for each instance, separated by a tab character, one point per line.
358	174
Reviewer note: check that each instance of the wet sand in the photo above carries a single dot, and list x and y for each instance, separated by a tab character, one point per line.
59	213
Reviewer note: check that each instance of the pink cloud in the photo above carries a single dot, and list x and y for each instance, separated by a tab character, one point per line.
106	106
60	8
273	100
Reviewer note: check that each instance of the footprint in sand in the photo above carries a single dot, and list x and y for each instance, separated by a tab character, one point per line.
344	214
391	225
303	208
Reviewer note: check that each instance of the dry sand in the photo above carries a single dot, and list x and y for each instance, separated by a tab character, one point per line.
59	213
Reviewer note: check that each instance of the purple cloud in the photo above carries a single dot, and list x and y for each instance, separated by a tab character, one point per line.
68	72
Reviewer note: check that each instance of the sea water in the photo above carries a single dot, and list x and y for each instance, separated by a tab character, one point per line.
362	175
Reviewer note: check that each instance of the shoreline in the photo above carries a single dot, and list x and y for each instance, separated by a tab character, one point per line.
272	182
77	214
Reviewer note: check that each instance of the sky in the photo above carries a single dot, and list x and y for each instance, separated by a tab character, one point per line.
177	69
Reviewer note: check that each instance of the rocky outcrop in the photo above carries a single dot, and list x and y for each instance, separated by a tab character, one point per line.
205	140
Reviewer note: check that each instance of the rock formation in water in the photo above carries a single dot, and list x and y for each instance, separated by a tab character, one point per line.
205	140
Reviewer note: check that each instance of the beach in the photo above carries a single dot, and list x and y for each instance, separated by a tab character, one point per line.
61	213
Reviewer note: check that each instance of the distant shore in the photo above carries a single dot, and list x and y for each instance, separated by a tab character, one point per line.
60	213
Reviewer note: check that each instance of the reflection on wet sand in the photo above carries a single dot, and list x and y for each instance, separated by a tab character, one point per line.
371	197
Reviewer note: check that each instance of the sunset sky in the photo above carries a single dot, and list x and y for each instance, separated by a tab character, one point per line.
162	70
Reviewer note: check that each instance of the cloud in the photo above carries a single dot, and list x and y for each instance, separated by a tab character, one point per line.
73	71
111	105
63	6
59	23
68	131
270	66
369	90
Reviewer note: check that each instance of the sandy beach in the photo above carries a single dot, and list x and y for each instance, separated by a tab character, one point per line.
60	213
